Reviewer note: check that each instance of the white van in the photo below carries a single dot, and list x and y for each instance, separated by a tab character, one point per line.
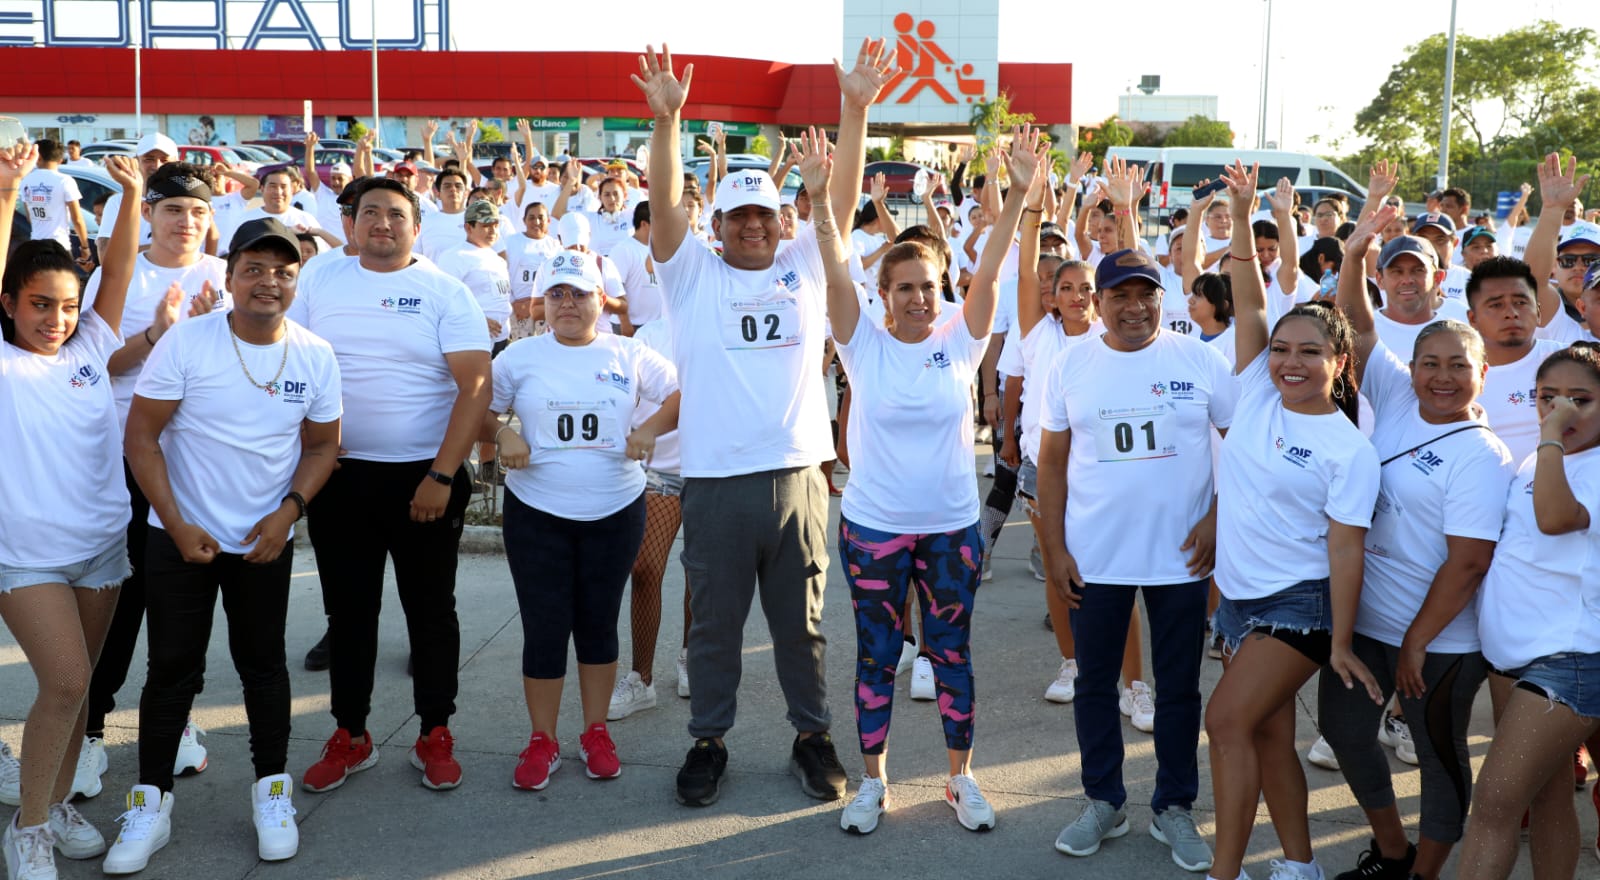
1173	172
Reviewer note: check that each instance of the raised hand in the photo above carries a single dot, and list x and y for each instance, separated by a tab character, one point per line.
124	170
572	176
663	91
1282	197
516	157
1081	164
815	157
311	141
706	147
1241	188
1558	186
1025	163
18	162
166	313
524	129
1367	230
1381	179
875	66
1124	183
430	130
880	187
1197	207
472	132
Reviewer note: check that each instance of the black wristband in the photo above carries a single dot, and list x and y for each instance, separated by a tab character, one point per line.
147	337
299	501
441	479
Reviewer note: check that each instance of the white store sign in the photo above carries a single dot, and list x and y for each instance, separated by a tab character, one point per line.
948	52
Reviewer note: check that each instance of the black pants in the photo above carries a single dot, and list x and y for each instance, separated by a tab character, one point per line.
181	600
123	636
361	518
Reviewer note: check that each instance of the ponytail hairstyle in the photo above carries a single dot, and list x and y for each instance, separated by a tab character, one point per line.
1584	354
1336	329
29	260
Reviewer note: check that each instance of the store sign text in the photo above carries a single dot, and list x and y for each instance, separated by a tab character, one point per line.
226	24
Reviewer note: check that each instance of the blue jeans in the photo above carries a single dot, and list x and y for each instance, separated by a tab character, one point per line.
1177	617
1570	678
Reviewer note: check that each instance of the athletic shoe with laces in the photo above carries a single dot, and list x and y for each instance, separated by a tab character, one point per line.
541	758
191	754
1036	564
1321	755
10	777
75	837
923	686
1175	827
972	808
599	753
1282	870
272	803
434	755
1099	821
814	762
86	775
1373	866
700	777
340	758
683	673
908	656
630	695
860	816
1396	734
95	747
1065	687
1138	705
29	852
146	828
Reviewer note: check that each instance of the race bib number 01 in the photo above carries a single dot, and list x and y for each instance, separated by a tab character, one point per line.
579	424
1136	433
772	322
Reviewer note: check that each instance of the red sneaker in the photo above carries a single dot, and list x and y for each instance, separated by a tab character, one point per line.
541	758
340	758
599	753
434	755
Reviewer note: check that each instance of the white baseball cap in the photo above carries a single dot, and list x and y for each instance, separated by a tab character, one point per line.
573	229
339	168
579	270
746	187
1581	231
155	140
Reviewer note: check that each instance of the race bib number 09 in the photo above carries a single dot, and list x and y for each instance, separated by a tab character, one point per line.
1136	433
579	424
773	322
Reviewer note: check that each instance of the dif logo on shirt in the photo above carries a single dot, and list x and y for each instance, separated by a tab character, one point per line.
1517	398
1424	461
293	392
85	376
1299	456
938	360
613	378
1179	389
790	280
405	305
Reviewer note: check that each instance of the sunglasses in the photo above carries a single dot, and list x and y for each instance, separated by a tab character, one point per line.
1567	261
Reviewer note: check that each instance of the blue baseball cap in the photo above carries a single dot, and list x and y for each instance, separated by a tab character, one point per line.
1438	221
1420	248
1120	267
1591	279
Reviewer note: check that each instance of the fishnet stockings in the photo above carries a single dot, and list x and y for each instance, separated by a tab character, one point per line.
663	515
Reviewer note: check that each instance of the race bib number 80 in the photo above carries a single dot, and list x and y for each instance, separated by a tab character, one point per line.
773	322
1136	433
579	424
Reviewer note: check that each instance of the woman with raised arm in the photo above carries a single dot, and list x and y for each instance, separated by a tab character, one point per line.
1295	494
62	562
913	519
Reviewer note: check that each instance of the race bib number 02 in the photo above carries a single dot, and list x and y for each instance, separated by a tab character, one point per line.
771	322
579	424
1136	433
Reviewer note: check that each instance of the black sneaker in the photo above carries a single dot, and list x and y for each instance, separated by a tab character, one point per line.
318	658
814	762
700	777
1373	866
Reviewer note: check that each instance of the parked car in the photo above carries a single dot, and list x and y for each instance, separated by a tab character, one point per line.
899	177
325	160
276	154
790	184
203	156
93	182
294	149
97	152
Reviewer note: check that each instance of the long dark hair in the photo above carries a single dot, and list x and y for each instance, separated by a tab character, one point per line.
1330	248
1336	329
1216	289
29	260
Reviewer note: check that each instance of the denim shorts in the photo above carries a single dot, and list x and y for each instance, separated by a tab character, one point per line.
1571	679
1028	479
109	569
1300	616
662	483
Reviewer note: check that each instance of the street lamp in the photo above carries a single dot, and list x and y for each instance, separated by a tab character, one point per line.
1443	178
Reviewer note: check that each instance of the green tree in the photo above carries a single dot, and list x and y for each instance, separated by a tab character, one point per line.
760	146
1111	133
489	133
991	120
1198	131
357	131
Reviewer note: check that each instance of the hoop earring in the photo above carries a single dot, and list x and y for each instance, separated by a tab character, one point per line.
1339	387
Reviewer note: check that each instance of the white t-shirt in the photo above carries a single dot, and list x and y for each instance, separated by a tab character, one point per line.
440	232
228	212
62	487
327	212
864	244
391	332
1175	305
232	447
1284	475
484	273
1009	363
1397	337
632	262
607	230
1139	470
543	193
291	217
146	290
1454	285
749	356
666	459
108	221
1005	307
46	193
1510	399
524	256
1563	329
1038	350
911	396
576	405
1450	486
1542	593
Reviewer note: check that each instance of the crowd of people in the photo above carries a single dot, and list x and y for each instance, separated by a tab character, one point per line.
1361	449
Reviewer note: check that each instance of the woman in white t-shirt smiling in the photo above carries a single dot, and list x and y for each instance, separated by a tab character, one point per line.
575	505
1537	616
63	551
902	523
1295	495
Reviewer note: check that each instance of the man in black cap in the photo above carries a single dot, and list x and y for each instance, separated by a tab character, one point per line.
234	427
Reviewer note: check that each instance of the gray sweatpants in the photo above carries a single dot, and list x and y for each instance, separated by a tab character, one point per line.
767	529
1349	721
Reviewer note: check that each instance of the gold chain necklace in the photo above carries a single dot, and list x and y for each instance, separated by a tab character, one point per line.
270	387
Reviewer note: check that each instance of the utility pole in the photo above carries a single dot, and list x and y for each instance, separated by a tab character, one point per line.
377	122
1266	69
1442	180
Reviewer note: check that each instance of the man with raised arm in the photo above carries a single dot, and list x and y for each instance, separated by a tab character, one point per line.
747	328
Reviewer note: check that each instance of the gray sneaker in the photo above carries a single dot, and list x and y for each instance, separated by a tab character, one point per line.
1099	821
1175	828
1036	564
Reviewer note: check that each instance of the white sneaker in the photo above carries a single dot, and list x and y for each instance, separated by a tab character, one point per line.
10	777
91	764
631	695
74	836
1036	564
1321	755
988	469
972	809
922	684
146	828
277	836
1282	870
28	852
908	655
860	816
1396	734
191	754
683	673
96	746
1065	687
1138	705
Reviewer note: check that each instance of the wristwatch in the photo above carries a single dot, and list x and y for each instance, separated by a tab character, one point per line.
441	479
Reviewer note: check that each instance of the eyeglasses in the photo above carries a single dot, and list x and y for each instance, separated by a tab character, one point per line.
1325	215
557	293
1567	261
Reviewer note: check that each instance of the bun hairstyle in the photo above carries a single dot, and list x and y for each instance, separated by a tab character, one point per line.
1341	337
29	260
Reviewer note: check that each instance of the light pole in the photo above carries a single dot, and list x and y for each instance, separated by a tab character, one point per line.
377	123
138	81
1443	178
1266	67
